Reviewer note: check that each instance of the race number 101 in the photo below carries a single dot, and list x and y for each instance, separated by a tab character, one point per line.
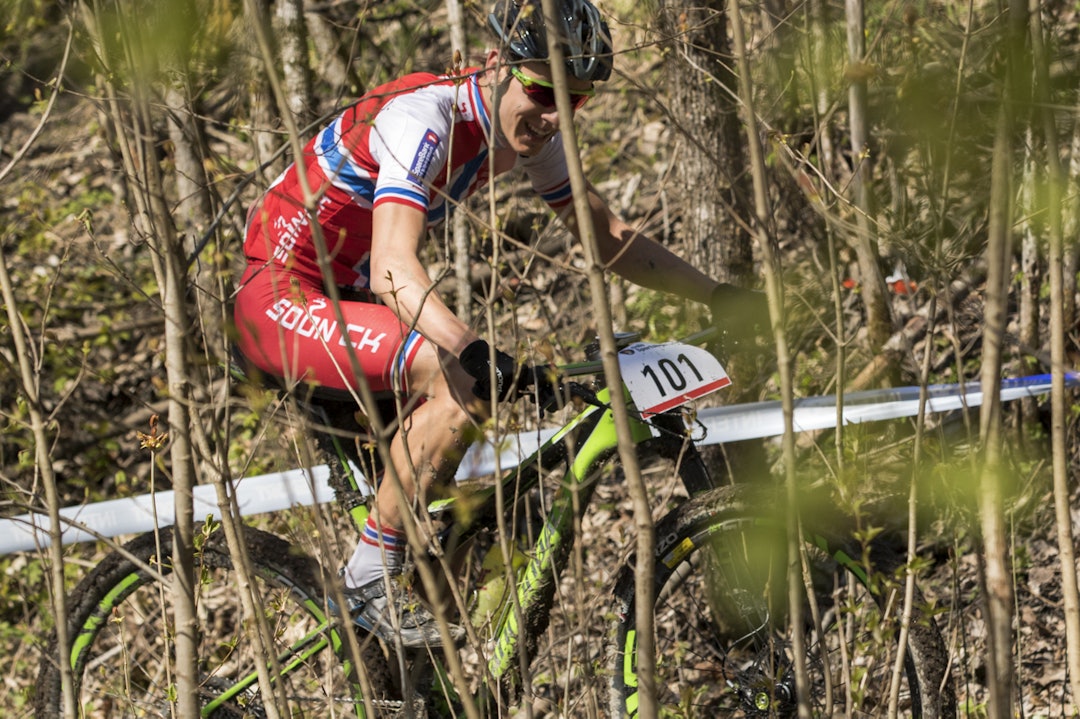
668	375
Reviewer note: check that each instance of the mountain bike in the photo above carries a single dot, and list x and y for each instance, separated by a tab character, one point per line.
724	641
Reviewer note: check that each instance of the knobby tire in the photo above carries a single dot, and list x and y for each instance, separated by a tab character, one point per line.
723	642
119	624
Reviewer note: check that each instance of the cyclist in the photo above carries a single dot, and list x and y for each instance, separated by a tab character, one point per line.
383	173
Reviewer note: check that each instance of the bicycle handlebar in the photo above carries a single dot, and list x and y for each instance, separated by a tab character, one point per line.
546	392
579	369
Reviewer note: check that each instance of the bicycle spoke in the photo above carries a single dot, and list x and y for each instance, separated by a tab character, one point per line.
725	643
127	657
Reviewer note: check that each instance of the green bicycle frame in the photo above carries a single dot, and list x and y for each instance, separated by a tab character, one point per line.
552	542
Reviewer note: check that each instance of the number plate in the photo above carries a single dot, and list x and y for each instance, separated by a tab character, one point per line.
665	376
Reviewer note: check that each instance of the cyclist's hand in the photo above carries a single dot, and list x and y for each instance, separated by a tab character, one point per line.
740	315
476	360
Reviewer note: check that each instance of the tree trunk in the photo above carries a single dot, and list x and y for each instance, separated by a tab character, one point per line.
998	574
331	67
30	379
31	383
1058	329
822	63
461	234
702	85
157	225
775	291
290	31
194	208
265	122
997	569
874	293
702	91
1030	266
131	113
644	571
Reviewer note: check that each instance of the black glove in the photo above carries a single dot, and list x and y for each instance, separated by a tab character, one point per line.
476	360
738	313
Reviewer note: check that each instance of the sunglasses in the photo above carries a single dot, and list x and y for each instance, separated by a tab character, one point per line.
543	92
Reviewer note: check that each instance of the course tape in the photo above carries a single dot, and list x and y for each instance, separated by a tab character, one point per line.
301	487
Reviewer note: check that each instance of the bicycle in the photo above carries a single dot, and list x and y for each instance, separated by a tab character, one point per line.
723	639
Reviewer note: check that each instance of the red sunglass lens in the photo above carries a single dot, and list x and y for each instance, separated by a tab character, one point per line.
546	96
539	94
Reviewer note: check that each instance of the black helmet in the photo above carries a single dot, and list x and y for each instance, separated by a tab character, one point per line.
519	24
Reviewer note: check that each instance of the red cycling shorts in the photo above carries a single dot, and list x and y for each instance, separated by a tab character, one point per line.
287	327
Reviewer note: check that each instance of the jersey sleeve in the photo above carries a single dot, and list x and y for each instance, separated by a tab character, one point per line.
409	143
548	174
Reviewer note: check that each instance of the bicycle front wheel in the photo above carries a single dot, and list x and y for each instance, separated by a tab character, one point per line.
122	635
725	645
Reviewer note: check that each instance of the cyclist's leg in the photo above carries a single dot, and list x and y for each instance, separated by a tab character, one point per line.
287	327
433	437
425	451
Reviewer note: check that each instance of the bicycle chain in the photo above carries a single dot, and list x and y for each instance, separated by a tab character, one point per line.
392	708
399	707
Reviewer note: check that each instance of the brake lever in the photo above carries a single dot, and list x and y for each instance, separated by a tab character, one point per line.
586	395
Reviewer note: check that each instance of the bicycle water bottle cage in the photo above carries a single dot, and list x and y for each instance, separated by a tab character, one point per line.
622	339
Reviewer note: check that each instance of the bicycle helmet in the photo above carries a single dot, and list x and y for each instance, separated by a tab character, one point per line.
519	25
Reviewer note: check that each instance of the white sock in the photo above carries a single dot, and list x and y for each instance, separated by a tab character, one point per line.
379	549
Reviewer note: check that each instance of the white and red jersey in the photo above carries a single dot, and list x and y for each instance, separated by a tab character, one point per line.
418	141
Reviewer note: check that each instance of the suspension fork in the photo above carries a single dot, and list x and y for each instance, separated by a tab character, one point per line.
674	444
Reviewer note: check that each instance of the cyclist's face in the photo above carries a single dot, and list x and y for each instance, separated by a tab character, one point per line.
526	111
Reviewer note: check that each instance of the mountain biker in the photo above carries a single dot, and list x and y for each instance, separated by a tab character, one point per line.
384	172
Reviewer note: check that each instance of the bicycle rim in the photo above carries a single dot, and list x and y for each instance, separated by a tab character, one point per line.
725	645
124	639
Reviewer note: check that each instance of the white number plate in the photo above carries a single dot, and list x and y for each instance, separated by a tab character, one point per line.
665	376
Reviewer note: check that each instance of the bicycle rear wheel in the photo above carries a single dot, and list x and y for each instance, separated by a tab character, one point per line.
122	634
724	645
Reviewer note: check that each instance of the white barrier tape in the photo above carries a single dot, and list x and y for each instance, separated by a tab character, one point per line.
765	419
298	487
134	515
254	495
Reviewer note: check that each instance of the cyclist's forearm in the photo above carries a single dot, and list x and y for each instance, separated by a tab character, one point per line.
647	263
426	312
642	260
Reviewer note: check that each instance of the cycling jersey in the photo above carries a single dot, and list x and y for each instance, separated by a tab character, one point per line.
417	141
420	140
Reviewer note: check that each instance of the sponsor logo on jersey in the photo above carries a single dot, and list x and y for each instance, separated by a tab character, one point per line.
424	155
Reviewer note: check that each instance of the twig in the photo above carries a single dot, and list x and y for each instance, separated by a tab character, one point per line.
21	152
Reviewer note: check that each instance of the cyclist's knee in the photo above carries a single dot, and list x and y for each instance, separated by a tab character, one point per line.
447	386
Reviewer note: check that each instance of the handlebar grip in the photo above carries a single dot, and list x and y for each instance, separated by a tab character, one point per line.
539	382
